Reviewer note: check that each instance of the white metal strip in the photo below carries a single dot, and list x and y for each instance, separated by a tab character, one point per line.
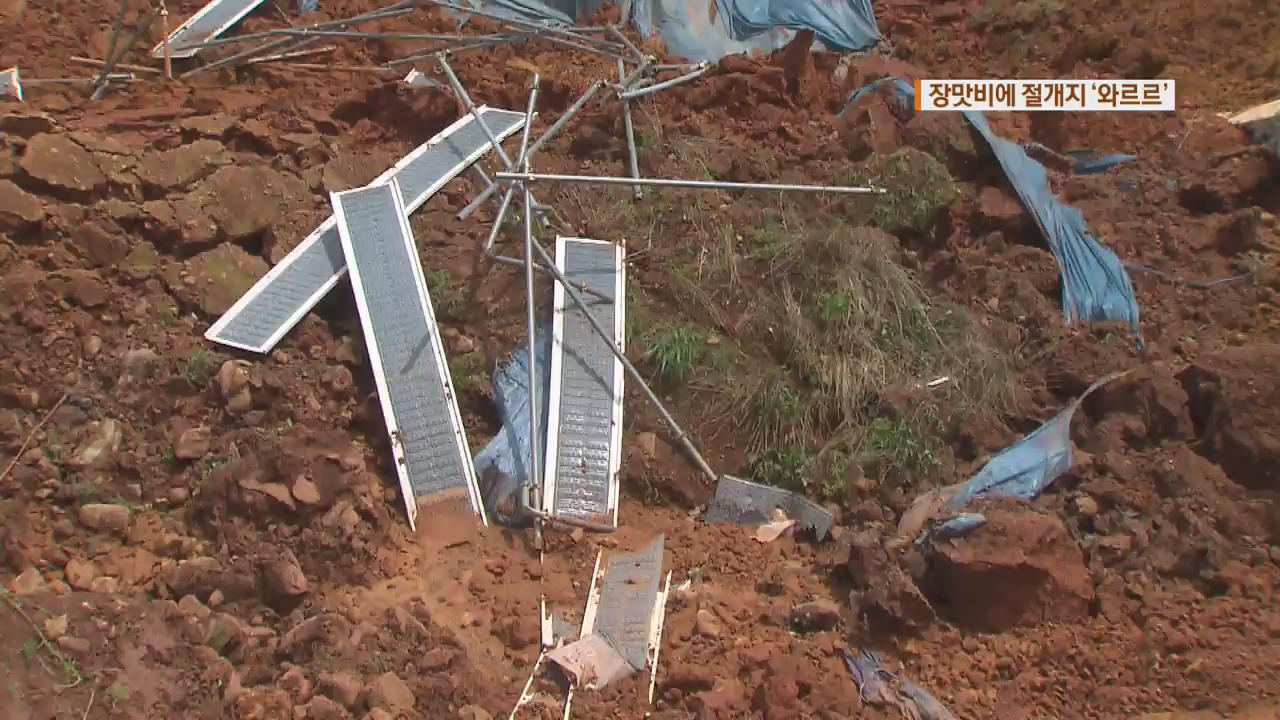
563	302
216	332
372	347
208	23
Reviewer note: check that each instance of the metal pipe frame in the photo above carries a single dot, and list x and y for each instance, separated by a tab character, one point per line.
535	462
551	132
365	17
101	84
632	155
462	94
641	92
569	33
305	32
614	31
291	45
697	184
455	48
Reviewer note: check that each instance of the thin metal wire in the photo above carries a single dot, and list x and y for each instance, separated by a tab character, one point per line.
698	184
641	92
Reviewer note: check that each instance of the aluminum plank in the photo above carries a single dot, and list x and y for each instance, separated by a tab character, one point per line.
209	22
584	416
280	299
624	605
747	503
405	350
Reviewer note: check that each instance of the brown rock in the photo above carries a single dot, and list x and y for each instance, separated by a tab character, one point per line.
473	712
894	601
346	688
105	517
193	443
100	446
181	166
28	582
178	496
322	708
458	343
389	692
1021	568
778	698
816	616
105	585
295	682
245	201
305	492
647	445
1235	401
198	576
226	634
260	703
81	574
59	162
191	605
85	287
100	246
1154	395
19	209
220	276
1086	506
707	624
517	632
283	580
78	646
27	124
232	378
55	627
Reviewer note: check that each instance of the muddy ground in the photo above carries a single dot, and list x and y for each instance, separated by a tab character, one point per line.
189	532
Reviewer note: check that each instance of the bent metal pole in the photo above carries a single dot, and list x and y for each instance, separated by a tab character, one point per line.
696	184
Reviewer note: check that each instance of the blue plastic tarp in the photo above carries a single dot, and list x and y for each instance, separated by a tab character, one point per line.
707	30
1095	285
502	467
1026	468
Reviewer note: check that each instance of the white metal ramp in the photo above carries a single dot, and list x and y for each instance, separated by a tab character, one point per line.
584	414
209	22
403	342
289	290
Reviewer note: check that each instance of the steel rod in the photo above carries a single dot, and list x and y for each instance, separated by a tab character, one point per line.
523	161
699	184
453	49
290	55
678	431
305	32
614	31
632	155
111	58
393	11
502	216
511	21
100	88
119	66
556	127
641	92
535	463
461	92
113	77
539	267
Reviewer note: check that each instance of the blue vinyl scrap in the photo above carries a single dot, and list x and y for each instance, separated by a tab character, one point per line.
707	30
1095	285
502	467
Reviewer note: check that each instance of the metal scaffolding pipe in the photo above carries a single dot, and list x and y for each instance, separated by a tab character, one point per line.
556	127
697	184
306	32
461	92
631	94
678	431
535	464
569	33
614	31
632	155
452	49
364	17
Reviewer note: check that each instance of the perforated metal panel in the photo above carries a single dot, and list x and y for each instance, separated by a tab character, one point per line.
629	594
209	22
405	350
584	420
288	292
748	503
